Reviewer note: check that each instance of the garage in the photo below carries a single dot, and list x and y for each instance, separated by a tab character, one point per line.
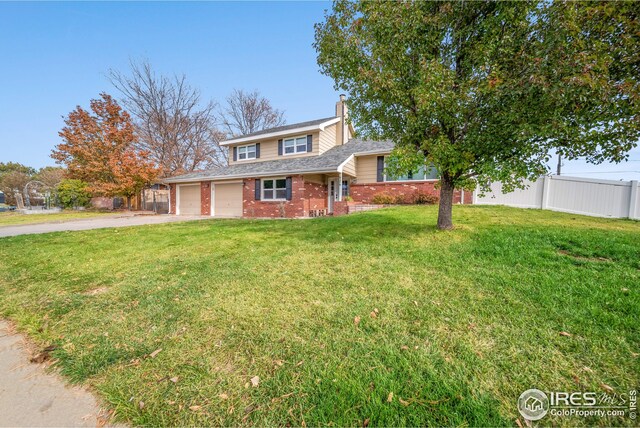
228	200
189	199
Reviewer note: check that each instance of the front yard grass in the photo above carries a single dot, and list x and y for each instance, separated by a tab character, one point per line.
12	218
372	317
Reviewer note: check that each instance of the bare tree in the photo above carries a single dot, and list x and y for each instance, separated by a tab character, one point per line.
248	112
172	122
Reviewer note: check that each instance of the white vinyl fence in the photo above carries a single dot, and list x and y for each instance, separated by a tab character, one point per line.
599	198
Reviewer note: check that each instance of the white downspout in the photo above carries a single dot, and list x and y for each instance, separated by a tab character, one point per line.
340	168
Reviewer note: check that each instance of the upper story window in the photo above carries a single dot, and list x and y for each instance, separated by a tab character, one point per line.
247	152
295	145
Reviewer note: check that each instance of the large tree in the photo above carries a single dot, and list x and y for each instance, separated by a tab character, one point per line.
13	177
485	90
246	112
50	176
175	125
100	148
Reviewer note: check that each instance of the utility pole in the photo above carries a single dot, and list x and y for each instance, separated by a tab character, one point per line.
559	163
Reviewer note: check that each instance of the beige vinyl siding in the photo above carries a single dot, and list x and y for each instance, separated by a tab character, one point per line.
189	199
328	138
314	178
366	169
227	200
269	149
349	168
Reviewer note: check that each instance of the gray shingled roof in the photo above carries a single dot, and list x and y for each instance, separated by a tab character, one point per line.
285	127
327	162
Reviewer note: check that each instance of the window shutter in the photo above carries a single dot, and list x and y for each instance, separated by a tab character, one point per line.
257	150
380	173
289	192
235	154
309	143
258	190
279	147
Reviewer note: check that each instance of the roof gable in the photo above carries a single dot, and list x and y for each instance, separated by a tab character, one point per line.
284	130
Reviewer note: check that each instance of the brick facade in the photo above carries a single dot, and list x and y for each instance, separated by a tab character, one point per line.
273	209
340	208
172	199
205	198
315	196
364	193
307	195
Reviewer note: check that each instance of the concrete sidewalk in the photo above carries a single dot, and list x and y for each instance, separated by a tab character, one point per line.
30	397
93	223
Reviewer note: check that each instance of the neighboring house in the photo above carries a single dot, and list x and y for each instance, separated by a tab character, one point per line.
296	170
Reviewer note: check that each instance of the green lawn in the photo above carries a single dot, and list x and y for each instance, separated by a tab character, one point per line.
466	320
12	218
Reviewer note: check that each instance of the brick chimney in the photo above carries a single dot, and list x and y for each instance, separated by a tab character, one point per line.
342	132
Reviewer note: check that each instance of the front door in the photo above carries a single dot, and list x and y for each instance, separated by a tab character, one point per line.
332	194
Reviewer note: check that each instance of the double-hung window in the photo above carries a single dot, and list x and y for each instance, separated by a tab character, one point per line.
295	145
247	152
274	189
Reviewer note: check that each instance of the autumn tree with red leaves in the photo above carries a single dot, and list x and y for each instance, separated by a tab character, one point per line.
99	148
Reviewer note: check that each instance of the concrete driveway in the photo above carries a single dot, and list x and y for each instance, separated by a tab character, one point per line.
93	223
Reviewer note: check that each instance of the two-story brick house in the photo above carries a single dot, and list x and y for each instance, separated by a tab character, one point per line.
296	170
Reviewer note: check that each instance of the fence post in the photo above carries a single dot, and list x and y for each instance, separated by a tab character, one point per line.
546	189
633	201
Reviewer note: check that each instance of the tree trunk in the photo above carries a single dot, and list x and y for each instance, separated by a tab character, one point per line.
128	203
445	207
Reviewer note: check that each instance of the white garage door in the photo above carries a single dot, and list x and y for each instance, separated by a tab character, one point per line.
189	203
228	200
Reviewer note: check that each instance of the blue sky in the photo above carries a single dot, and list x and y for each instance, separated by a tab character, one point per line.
56	55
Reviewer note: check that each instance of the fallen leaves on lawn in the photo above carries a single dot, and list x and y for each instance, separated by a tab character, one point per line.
156	352
356	320
606	387
255	381
195	408
365	423
174	379
141	405
390	397
403	402
282	397
44	355
223	396
564	333
404	348
519	423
